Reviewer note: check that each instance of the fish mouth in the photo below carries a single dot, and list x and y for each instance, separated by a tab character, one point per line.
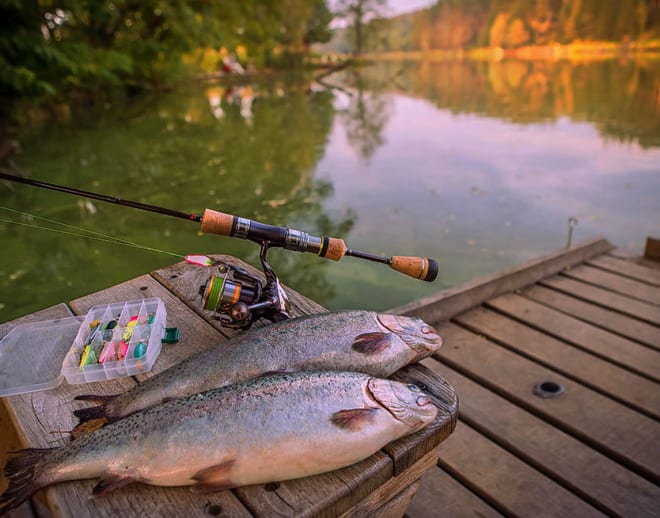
420	336
395	398
424	400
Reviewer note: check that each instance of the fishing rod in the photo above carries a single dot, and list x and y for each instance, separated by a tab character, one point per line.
214	222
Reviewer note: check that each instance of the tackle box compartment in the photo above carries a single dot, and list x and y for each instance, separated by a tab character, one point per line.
131	345
115	340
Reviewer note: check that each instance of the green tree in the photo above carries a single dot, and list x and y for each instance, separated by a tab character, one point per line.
51	46
358	13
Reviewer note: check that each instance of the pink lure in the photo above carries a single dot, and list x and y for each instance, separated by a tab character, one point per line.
199	260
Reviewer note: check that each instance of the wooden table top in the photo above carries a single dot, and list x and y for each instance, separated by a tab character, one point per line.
42	419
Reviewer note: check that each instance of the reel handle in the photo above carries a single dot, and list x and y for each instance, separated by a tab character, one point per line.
421	268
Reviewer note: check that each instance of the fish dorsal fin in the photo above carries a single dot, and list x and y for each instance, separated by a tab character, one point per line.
372	343
354	418
214	478
110	483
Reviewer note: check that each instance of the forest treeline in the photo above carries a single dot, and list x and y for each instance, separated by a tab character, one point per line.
54	47
451	24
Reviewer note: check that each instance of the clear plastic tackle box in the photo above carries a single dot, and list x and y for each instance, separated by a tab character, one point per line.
111	341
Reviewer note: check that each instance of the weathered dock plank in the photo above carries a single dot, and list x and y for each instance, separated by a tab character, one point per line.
617	349
440	494
577	364
611	427
504	481
627	269
617	283
605	298
590	474
610	320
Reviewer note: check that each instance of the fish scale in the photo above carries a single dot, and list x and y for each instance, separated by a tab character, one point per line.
268	429
374	343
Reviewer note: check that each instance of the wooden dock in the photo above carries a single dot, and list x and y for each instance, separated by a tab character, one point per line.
382	484
556	364
557	367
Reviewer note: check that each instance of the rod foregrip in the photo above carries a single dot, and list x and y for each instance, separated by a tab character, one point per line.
417	267
214	222
335	250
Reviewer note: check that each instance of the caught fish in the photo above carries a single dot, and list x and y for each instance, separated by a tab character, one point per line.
373	343
269	429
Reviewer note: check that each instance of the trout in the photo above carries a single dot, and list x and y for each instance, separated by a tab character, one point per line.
363	341
269	429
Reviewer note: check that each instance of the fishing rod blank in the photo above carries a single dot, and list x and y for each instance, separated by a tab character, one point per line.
213	222
100	197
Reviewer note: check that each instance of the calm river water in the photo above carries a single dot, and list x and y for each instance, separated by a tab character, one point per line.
478	165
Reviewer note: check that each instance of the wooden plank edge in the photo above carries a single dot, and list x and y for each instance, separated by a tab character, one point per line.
394	486
452	301
408	450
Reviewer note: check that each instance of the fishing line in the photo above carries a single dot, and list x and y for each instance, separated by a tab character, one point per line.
214	222
82	232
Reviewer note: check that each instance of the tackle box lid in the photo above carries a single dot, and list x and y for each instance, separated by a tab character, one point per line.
31	355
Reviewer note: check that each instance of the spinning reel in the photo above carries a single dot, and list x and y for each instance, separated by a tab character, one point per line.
238	298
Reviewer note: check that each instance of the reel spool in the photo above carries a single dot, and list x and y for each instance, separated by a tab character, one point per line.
232	295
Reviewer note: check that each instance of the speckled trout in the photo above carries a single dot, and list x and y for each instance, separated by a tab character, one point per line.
363	341
269	429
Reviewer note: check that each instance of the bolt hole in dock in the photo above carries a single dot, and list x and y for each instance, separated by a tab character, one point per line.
144	288
213	509
272	486
548	389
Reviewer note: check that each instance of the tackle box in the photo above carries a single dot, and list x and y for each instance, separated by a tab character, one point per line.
111	341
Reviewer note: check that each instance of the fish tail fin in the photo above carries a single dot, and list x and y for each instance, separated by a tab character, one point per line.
22	473
91	418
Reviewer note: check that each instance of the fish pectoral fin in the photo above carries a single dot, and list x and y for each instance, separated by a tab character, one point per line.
88	427
372	343
354	418
213	478
111	482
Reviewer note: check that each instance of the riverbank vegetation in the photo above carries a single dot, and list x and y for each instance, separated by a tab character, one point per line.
58	52
54	49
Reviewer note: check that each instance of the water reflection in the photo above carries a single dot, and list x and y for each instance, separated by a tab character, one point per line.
622	98
365	115
476	164
249	150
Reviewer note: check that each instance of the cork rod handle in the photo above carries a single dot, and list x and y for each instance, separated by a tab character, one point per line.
336	249
416	267
214	222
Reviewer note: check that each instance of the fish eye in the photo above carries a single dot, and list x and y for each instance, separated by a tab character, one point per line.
413	387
